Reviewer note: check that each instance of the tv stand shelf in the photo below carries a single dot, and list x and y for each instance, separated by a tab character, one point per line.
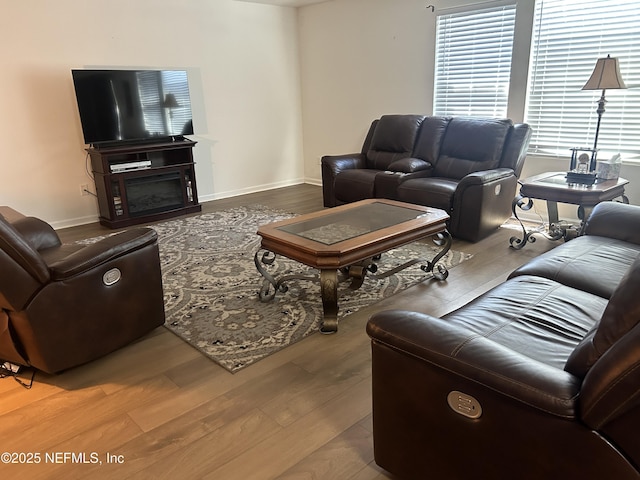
141	183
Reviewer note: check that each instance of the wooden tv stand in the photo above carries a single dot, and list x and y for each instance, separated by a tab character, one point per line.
140	183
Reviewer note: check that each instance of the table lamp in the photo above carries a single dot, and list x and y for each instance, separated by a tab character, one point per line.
170	103
606	75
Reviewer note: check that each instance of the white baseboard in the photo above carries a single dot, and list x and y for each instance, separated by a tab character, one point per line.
313	181
74	222
254	189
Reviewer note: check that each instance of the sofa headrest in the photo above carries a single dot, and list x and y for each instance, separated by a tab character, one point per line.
393	139
472	144
515	148
621	315
430	137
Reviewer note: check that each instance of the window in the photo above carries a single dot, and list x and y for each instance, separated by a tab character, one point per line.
568	37
473	61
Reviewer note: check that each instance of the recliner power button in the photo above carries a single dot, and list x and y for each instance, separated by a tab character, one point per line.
111	276
464	404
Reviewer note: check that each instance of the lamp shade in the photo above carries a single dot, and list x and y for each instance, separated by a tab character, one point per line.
605	75
170	101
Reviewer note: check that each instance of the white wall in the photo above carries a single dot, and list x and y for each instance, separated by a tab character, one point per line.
364	58
361	59
242	60
260	76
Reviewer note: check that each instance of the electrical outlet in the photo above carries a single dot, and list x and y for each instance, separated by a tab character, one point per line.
84	189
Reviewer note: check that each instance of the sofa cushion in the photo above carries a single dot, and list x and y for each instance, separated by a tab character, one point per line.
534	316
621	315
393	139
434	192
409	165
590	263
471	145
354	185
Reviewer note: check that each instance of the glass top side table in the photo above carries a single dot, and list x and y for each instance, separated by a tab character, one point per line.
553	188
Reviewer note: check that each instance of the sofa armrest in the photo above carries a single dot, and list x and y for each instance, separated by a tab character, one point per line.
337	163
103	251
485	176
409	165
331	166
39	234
614	220
482	202
444	345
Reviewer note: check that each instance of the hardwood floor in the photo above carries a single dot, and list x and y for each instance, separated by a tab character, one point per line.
160	409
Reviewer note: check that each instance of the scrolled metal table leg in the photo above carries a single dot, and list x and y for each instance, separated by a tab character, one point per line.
527	237
280	285
329	291
439	270
358	272
267	259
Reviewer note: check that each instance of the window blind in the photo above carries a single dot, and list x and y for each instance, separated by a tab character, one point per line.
569	36
473	61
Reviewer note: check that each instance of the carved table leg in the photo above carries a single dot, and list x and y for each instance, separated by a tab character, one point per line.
438	269
329	291
556	231
270	282
527	237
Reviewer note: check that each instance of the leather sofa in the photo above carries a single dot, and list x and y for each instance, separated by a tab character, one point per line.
467	166
537	378
62	305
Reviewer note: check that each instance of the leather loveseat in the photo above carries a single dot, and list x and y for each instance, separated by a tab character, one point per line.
537	378
62	305
467	166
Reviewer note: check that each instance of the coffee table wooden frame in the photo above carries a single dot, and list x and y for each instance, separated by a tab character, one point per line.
349	259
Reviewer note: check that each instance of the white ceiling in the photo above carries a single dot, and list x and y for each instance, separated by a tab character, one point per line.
286	3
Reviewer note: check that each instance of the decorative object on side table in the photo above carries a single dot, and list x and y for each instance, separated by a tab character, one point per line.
610	169
583	166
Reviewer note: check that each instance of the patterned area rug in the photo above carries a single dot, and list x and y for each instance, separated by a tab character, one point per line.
211	286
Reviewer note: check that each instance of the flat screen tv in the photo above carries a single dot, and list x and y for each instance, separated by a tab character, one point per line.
132	105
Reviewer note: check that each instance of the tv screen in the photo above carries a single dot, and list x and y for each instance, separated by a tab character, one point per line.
132	105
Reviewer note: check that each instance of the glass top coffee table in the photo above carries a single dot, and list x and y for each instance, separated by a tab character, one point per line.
343	243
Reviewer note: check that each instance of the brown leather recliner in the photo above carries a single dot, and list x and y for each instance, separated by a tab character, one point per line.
63	305
537	378
467	166
475	175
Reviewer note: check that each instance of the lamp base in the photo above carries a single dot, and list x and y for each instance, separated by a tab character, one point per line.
581	178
